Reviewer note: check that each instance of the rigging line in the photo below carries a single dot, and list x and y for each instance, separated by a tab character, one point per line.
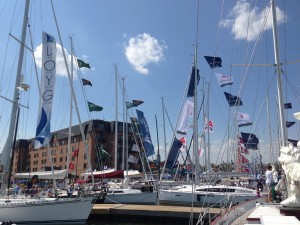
293	89
247	70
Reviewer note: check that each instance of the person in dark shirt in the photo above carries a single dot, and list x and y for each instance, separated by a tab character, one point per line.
32	186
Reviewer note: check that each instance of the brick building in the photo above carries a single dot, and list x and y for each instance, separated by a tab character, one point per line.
98	133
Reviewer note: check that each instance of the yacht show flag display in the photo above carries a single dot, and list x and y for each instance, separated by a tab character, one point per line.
83	64
134	103
86	82
233	100
287	105
191	91
135	148
224	80
289	123
132	159
213	62
94	107
149	148
42	136
243	119
250	141
187	113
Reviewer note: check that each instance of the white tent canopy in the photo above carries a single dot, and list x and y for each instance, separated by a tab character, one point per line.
58	174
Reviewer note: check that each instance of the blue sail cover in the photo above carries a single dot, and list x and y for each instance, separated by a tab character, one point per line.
149	148
173	154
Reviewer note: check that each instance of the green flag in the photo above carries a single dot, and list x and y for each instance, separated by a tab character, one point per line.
83	64
134	103
93	107
104	154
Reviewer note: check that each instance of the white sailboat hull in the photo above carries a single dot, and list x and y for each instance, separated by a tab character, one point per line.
215	195
46	211
131	196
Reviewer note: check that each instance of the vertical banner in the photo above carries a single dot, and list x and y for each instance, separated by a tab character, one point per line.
47	88
187	112
149	148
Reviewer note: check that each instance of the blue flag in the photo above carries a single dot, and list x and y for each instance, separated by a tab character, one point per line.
250	141
233	100
191	91
173	154
149	148
213	62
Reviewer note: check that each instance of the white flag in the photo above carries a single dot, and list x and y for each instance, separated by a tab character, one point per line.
185	115
224	80
132	159
243	119
135	148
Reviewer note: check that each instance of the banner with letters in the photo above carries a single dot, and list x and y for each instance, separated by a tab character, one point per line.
42	137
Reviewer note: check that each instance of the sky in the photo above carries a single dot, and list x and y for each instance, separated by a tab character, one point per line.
150	45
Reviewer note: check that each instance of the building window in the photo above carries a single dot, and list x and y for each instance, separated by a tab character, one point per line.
61	159
54	160
84	166
62	142
53	152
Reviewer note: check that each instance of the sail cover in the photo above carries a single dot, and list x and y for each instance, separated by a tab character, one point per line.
47	90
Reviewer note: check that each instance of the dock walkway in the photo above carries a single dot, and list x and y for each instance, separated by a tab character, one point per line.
166	213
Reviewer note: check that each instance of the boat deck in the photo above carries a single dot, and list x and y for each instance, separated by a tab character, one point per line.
268	214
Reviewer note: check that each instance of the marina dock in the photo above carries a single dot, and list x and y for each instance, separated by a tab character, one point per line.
166	213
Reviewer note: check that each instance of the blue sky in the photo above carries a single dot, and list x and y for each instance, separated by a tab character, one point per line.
153	43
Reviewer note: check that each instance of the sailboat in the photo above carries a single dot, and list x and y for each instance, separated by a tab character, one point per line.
26	209
287	211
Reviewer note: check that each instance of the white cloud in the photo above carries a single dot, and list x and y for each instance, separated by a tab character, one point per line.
143	50
60	63
242	15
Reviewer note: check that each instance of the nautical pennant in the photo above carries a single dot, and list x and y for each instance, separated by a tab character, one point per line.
213	62
233	100
224	80
86	82
243	119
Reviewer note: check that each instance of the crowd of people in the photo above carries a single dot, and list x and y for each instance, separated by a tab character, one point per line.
268	183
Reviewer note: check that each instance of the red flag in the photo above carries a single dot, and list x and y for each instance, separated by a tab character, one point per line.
71	166
75	153
245	169
243	150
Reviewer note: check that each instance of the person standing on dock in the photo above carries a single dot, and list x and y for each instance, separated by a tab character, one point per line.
269	183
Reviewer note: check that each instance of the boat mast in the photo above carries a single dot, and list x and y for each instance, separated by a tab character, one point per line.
165	142
279	85
116	119
7	151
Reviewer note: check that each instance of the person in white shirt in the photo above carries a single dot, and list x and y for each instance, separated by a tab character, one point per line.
269	182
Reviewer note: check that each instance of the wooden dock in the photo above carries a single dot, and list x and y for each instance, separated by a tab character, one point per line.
153	213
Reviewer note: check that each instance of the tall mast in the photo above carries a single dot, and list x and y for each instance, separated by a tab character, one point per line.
6	153
116	119
165	142
278	70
